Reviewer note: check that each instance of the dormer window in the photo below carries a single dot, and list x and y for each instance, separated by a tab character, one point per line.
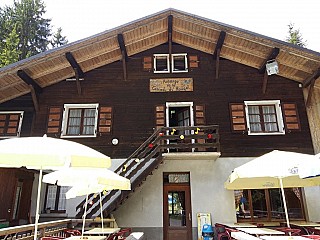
161	63
179	62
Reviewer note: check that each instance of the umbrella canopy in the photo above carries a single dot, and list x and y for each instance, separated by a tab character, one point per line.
310	169
86	181
277	169
48	153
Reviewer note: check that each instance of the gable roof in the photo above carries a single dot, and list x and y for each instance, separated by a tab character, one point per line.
238	45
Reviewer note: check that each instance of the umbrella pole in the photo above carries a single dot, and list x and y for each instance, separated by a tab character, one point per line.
101	212
84	215
284	202
35	236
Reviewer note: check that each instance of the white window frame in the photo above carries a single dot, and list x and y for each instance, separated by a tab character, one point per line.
155	57
20	122
185	62
65	117
280	122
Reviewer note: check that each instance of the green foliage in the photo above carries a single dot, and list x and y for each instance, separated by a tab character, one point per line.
25	32
295	36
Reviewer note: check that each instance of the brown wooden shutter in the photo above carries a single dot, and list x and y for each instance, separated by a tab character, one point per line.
291	117
160	116
238	117
105	120
200	115
193	61
54	121
147	64
9	124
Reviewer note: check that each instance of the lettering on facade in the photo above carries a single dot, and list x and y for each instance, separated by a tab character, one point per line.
171	85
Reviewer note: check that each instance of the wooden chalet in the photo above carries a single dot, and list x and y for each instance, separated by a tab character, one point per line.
177	101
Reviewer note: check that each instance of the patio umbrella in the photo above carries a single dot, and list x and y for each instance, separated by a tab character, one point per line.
43	153
85	181
310	169
277	169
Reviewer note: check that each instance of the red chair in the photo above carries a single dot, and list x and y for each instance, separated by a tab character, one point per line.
290	231
71	232
123	233
51	238
221	232
315	237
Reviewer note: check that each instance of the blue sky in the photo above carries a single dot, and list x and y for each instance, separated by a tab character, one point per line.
83	18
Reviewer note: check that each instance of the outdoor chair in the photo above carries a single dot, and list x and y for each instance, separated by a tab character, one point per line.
290	231
71	232
51	238
315	237
221	232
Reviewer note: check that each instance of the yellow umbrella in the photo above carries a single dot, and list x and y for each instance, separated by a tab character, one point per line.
48	153
277	169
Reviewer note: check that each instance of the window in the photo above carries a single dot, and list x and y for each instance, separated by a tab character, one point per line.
10	123
56	198
80	120
264	117
179	63
267	204
161	63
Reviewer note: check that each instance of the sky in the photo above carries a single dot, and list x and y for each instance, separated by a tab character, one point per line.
83	18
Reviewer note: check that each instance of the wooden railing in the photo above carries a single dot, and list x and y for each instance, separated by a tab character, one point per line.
52	228
149	155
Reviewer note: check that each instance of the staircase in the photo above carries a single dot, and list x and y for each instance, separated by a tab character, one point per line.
147	158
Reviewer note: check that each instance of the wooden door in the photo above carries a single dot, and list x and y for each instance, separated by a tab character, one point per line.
177	212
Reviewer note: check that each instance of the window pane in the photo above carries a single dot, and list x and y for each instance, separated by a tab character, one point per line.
259	205
89	121
62	198
161	63
254	119
179	63
176	208
51	196
242	204
293	197
269	118
74	122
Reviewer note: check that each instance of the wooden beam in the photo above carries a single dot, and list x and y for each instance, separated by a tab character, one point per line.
273	55
219	44
122	46
74	64
308	102
310	79
217	63
28	80
77	81
264	83
170	20
34	98
124	65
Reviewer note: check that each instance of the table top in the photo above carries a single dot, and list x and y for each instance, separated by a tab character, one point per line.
240	225
86	238
261	231
283	238
243	236
305	224
100	231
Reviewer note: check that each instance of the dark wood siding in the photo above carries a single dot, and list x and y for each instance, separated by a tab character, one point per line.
134	106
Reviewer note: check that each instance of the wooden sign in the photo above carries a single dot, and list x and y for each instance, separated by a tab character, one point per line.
171	85
202	218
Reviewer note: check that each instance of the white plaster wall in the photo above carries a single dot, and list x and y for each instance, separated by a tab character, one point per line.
312	196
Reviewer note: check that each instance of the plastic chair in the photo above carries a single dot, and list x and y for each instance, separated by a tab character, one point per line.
315	237
71	232
290	231
221	232
123	233
51	238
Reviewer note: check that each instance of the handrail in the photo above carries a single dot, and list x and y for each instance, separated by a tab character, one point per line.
205	137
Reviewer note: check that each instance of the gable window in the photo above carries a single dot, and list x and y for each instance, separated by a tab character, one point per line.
10	123
179	62
264	117
80	120
56	198
161	63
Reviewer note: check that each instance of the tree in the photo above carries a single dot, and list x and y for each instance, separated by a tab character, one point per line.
295	36
24	20
58	40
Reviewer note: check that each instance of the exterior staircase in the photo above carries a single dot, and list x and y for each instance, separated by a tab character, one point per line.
140	164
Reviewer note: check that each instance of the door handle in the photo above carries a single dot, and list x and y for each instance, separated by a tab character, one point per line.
189	216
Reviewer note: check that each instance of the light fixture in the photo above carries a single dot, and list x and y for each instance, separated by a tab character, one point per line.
272	67
115	141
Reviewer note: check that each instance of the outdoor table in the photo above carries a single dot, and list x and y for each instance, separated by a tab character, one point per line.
243	236
261	231
283	238
240	225
101	231
305	225
86	238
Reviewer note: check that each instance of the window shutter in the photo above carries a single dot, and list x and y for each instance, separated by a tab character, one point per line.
200	115
147	64
105	120
193	61
54	121
291	117
160	116
238	117
10	124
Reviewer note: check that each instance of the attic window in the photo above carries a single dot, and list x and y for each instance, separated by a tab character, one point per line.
179	62
161	63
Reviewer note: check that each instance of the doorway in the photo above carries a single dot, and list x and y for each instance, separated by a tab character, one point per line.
177	207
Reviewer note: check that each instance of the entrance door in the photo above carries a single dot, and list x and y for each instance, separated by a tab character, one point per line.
177	212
